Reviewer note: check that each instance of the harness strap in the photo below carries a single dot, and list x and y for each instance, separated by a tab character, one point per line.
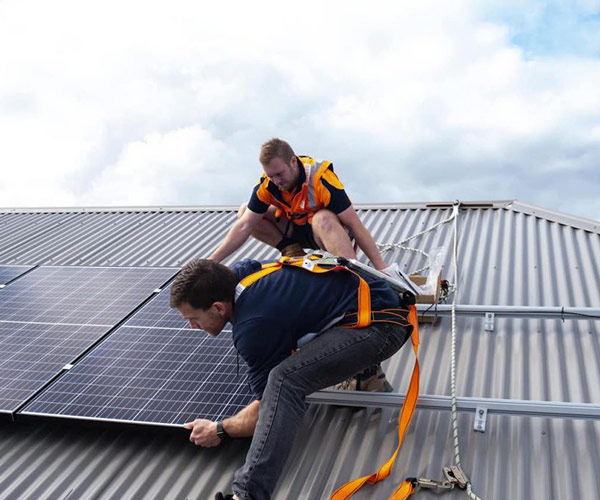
303	205
406	488
396	315
364	294
300	200
266	269
251	278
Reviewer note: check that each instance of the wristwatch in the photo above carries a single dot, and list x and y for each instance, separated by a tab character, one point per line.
221	433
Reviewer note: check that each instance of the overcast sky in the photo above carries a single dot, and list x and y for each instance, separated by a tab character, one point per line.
154	103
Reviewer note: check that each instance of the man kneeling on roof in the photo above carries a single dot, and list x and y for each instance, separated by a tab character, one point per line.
299	203
299	332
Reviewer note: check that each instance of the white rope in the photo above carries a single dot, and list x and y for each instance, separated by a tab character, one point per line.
437	224
389	246
400	245
453	362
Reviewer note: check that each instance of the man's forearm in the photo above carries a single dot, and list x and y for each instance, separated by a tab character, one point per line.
243	423
367	244
237	236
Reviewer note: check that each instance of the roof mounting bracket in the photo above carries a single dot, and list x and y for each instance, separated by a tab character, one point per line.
463	204
488	322
480	419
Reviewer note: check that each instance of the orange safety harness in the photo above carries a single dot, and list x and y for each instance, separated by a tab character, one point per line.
364	317
300	210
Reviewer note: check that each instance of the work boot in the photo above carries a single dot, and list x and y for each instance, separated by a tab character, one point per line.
220	496
372	379
293	250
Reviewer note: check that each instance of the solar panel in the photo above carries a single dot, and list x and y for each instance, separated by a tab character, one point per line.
81	295
153	369
8	273
31	354
53	314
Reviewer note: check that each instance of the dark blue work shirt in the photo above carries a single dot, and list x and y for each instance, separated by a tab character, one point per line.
273	313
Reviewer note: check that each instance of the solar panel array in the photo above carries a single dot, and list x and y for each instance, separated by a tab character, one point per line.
8	273
153	369
53	314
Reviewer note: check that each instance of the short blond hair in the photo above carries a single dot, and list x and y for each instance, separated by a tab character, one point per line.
275	148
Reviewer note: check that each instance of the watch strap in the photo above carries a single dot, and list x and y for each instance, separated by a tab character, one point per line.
221	432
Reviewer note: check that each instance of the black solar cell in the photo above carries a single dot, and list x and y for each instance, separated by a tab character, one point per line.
53	314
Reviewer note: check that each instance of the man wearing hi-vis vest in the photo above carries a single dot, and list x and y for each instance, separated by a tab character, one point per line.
299	202
341	322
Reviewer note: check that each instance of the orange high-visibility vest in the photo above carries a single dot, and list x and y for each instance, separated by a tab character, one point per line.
300	207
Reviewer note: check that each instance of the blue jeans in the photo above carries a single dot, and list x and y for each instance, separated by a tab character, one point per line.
335	355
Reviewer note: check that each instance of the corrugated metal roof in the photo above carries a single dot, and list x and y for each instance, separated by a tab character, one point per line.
509	253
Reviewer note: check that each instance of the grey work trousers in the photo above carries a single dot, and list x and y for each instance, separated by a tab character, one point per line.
332	357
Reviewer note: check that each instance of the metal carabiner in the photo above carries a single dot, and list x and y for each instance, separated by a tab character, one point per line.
423	482
455	475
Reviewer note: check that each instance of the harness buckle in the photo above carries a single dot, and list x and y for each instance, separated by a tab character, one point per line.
308	264
456	475
423	482
323	258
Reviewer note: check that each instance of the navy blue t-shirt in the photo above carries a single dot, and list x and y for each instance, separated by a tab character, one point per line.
273	313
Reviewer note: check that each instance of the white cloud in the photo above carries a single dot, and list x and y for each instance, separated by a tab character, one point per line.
135	103
145	171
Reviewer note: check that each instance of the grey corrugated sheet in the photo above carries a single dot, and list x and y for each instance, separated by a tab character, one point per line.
509	253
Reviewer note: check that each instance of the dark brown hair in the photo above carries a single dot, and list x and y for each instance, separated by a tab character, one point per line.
275	148
202	282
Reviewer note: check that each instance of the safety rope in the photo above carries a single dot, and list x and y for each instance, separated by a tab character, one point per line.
453	361
453	289
411	249
384	247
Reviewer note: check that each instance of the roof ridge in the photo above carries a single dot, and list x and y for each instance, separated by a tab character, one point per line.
578	222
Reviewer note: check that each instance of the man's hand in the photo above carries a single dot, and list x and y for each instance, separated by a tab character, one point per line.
204	432
241	425
237	235
393	271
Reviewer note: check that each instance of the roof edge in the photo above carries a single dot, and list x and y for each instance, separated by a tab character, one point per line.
559	217
229	208
131	209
